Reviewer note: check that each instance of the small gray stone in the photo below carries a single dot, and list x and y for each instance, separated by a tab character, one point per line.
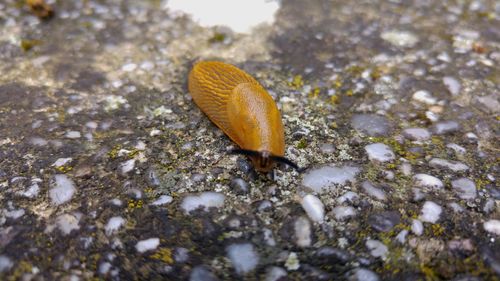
373	191
372	125
417	134
379	152
465	188
451	165
384	221
445	127
202	273
239	186
362	274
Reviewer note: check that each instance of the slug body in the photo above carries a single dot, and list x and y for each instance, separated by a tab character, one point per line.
240	107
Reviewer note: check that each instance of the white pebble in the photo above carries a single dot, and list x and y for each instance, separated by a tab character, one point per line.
459	150
417	227
62	161
431	212
127	166
313	207
162	200
492	226
379	152
373	191
327	177
451	165
400	38
5	263
452	84
205	200
349	196
113	225
129	67
73	135
303	232
401	237
377	248
147	245
243	257
68	222
275	273
62	189
425	180
465	188
424	96
417	134
343	212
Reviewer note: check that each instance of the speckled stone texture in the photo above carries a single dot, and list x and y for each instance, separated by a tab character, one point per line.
108	170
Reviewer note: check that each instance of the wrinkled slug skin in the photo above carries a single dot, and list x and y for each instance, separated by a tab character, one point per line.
238	105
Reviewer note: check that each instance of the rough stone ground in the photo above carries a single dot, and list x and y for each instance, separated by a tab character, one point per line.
109	171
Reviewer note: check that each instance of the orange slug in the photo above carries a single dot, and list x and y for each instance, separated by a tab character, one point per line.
243	109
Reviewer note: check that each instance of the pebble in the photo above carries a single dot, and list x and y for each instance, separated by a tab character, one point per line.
489	206
379	152
325	178
147	245
424	96
372	125
113	225
445	127
62	189
205	201
362	274
181	255
384	221
459	150
464	188
5	263
401	237
377	248
275	273
239	186
489	103
73	135
417	134
68	222
243	257
456	207
162	200
427	181
334	255
202	273
451	165
431	212
400	38
418	195
303	232
417	227
62	161
343	212
129	67
127	166
349	197
313	207
492	226
373	191
452	84
38	141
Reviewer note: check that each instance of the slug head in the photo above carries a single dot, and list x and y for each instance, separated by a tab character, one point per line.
264	161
